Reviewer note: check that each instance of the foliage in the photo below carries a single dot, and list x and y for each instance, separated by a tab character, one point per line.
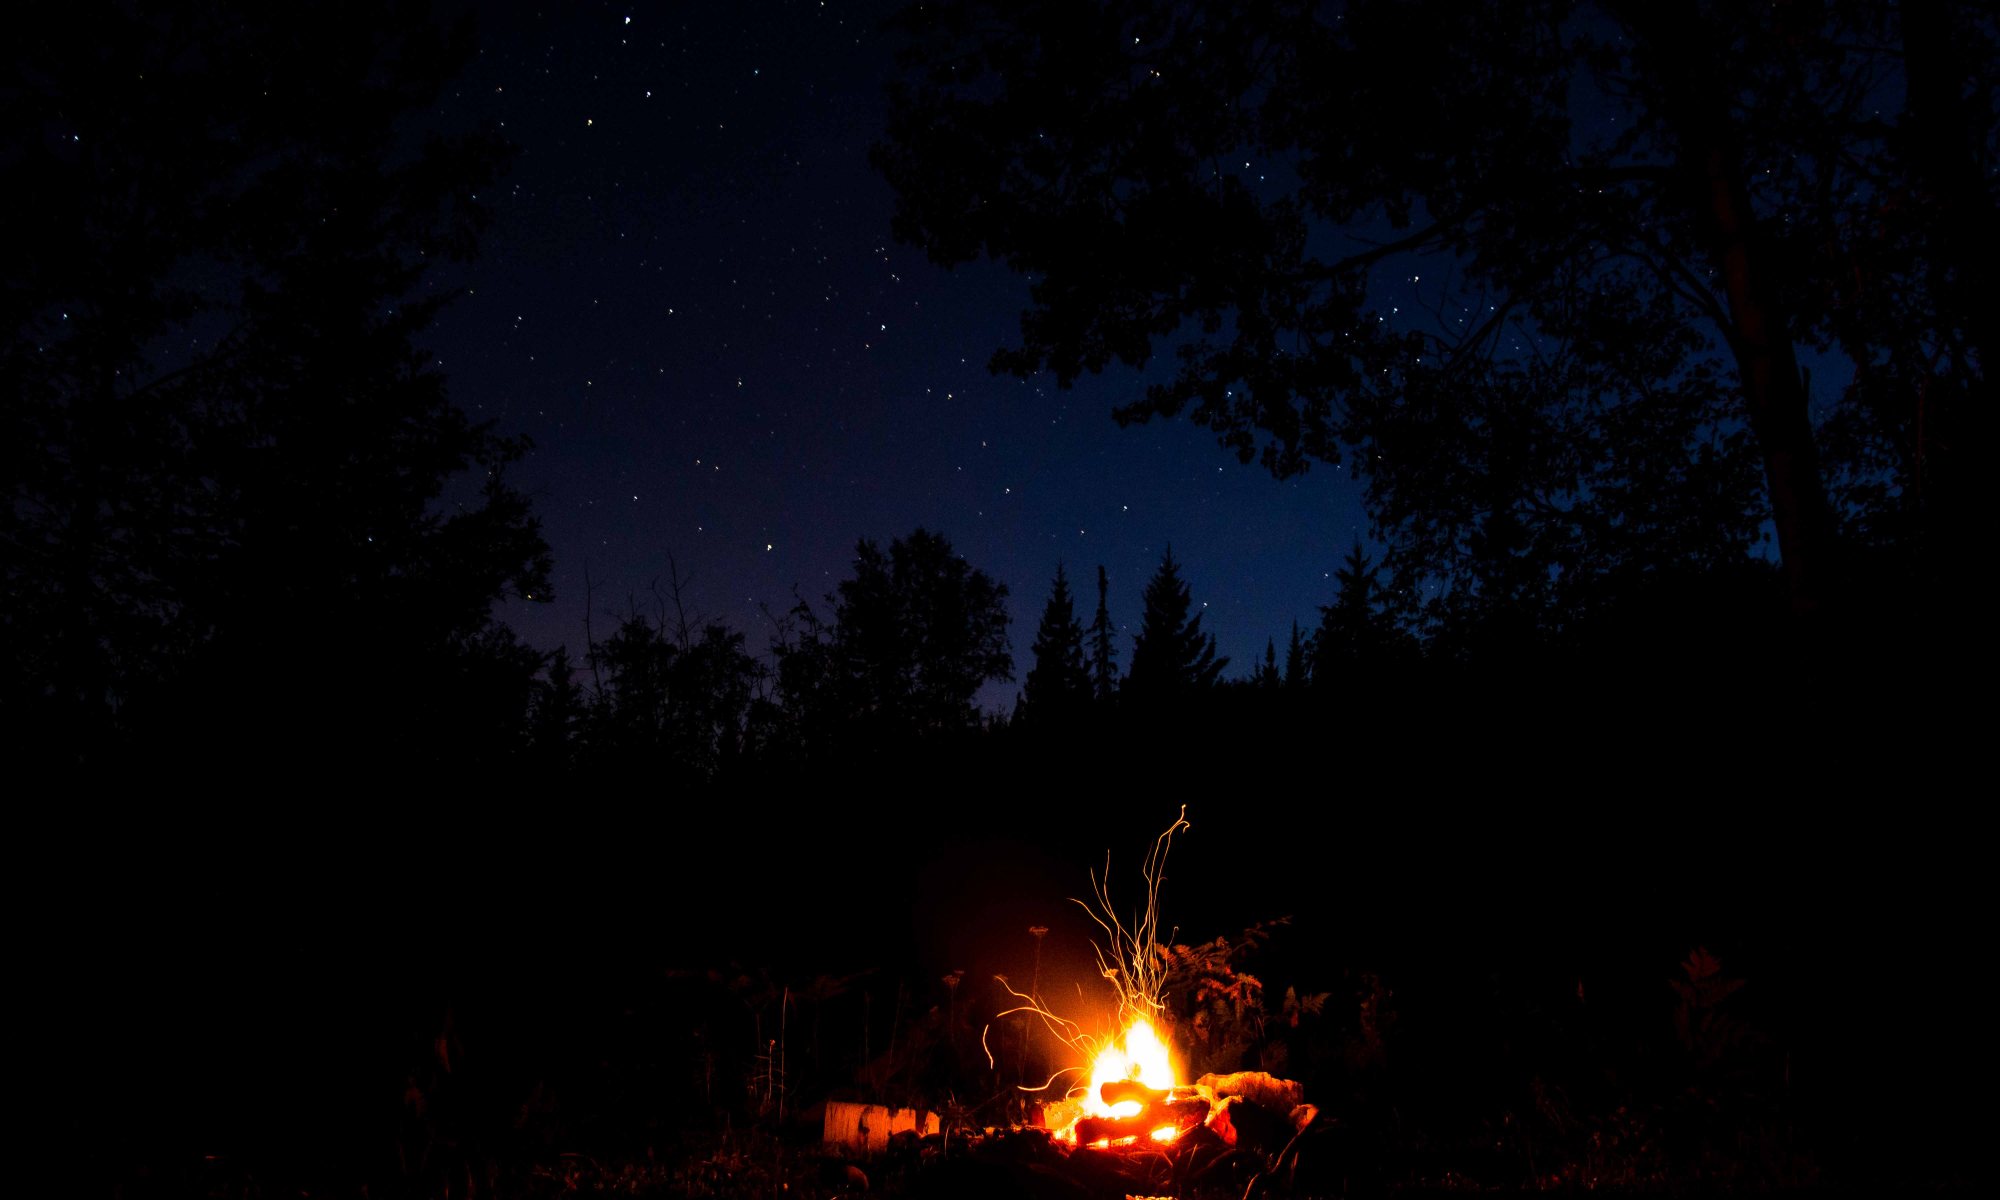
685	702
1357	633
913	635
1222	1008
236	486
1624	223
1171	656
1058	686
1704	1029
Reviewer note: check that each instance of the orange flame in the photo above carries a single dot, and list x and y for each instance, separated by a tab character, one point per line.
1139	1056
1142	1057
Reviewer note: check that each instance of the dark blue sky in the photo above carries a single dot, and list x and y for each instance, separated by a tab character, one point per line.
691	302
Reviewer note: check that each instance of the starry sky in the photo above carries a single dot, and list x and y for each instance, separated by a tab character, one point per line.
690	301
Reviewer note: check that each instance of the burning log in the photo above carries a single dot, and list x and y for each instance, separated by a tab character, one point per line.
1092	1130
1176	1115
1118	1091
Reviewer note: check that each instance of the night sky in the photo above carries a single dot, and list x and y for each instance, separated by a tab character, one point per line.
691	302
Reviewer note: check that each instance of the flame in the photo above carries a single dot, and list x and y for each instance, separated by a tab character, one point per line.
1142	1056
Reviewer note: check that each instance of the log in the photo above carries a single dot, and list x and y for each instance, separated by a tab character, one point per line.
1091	1130
1183	1115
1186	1114
1117	1091
1282	1095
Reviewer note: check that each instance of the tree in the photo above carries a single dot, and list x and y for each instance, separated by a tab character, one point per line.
1578	179
1103	651
1267	676
1298	660
1058	686
675	701
236	485
1355	633
914	635
1171	656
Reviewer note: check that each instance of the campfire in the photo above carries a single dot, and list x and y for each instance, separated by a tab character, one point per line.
1132	1094
1126	1090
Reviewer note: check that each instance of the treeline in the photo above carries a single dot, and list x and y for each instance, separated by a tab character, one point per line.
891	667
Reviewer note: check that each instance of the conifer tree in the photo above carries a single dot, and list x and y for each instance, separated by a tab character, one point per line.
1103	651
1267	672
1059	684
1170	654
1353	630
1298	668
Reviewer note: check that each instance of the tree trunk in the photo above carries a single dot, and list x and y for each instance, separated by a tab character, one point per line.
1774	392
1677	51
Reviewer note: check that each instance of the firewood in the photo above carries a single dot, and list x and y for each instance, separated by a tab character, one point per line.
1091	1130
1283	1095
1185	1114
1181	1115
1119	1090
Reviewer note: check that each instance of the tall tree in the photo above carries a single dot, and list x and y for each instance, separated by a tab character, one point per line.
1298	660
236	484
914	634
1572	177
1058	685
1267	676
1103	650
1171	656
1355	633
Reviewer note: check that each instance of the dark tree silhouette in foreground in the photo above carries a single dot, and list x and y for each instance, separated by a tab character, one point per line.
1171	656
240	502
912	637
1747	182
1058	685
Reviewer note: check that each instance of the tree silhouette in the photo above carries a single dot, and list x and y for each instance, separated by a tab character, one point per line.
1058	686
237	488
675	701
1356	635
1298	660
1268	676
914	634
1675	198
1171	656
1103	650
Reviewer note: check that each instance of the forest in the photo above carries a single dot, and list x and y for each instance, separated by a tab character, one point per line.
1598	828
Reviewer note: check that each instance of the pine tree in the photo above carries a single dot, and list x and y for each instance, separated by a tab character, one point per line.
1059	684
1103	651
1170	654
1267	673
1353	631
1298	668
